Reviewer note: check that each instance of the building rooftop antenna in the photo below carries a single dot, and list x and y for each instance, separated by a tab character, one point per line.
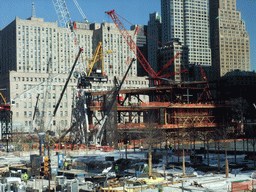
33	14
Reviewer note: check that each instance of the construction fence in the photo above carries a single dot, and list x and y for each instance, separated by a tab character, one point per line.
243	185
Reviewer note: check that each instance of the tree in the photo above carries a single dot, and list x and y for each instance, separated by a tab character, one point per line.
222	132
183	137
152	136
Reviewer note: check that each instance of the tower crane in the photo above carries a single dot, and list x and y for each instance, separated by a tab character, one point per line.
134	47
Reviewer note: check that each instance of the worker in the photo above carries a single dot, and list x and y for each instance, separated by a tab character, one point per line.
130	103
65	165
139	103
25	177
116	167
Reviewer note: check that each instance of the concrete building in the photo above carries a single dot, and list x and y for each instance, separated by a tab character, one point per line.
109	35
35	58
189	22
154	32
229	39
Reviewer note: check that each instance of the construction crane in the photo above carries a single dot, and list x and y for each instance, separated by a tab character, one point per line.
81	11
66	84
100	132
134	47
45	95
4	106
206	88
94	73
63	14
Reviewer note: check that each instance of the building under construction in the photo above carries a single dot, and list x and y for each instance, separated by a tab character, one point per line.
185	106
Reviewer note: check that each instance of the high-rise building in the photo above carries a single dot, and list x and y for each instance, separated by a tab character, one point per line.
167	52
188	20
141	42
229	39
33	50
154	32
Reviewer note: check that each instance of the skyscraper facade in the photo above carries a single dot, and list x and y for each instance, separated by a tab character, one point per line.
230	41
188	20
154	32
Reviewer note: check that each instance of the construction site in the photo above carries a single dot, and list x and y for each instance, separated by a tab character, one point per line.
171	135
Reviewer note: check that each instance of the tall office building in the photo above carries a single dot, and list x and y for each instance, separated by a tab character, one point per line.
230	41
141	42
154	32
33	51
188	20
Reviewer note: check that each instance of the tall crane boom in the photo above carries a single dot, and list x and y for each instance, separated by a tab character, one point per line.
63	14
66	84
131	43
81	11
65	19
99	134
135	49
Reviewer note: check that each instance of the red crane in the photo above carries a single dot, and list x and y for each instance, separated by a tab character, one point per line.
135	49
206	91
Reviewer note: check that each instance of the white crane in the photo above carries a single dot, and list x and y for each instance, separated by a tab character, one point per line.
66	22
81	11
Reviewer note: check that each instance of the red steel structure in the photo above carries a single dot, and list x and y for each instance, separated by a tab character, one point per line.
136	50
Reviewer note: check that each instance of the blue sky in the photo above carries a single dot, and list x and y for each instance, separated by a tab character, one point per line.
135	11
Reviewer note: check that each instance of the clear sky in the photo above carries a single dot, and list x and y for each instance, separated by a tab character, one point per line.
135	11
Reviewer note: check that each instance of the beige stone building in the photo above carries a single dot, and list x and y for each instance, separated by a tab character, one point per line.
35	57
230	41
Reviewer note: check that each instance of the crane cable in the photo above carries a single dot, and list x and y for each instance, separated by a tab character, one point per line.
144	32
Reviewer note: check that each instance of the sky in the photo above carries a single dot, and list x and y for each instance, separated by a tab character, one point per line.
134	11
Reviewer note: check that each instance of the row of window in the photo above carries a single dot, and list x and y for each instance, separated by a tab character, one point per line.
29	114
38	123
